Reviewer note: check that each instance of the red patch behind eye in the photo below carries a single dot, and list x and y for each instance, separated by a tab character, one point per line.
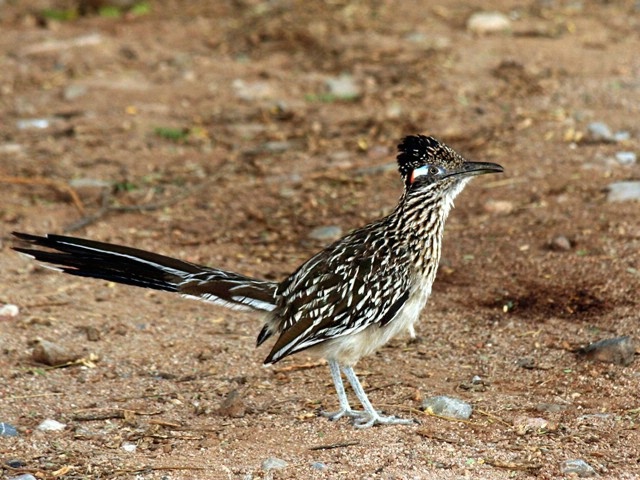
413	176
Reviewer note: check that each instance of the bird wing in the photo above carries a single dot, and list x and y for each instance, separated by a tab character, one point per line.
338	294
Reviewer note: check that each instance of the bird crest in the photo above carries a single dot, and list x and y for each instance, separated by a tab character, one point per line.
416	151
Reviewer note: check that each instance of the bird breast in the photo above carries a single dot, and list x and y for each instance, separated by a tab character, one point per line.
347	350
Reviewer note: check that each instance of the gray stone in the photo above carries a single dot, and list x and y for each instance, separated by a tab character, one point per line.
273	463
599	132
449	407
560	243
51	354
24	476
7	430
626	158
252	91
551	407
330	232
623	191
71	92
619	350
621	136
343	87
50	425
277	146
488	22
577	467
318	466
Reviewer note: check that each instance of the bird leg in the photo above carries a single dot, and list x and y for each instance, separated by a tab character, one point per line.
345	408
370	416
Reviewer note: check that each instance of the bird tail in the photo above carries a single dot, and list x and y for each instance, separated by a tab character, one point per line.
132	266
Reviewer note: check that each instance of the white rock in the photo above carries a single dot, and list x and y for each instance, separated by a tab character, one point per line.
577	467
129	447
488	22
623	191
447	407
502	207
50	425
9	310
626	158
330	232
251	91
273	463
343	87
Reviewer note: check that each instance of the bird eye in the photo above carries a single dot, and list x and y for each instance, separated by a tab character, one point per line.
426	170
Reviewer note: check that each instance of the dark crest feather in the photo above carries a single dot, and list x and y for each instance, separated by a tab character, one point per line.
415	151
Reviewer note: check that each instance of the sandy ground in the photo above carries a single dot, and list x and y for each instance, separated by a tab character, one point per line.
207	131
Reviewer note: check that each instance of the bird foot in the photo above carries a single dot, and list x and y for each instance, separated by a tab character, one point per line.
333	416
362	419
366	420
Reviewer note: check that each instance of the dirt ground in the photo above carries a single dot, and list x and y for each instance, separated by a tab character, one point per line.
205	130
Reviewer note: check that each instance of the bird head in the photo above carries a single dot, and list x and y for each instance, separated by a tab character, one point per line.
425	163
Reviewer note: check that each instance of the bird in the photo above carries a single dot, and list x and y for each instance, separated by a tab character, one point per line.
343	303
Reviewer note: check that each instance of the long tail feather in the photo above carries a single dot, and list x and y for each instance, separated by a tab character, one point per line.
132	266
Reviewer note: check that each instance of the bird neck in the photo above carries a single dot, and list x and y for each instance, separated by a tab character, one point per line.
419	224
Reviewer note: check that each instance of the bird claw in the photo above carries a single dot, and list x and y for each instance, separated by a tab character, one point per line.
333	416
367	420
362	419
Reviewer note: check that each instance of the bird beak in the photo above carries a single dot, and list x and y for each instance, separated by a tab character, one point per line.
476	168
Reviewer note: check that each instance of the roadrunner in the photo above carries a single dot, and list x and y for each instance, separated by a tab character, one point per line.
343	303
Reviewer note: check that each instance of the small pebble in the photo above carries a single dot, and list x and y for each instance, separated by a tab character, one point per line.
599	132
277	146
623	191
330	232
526	362
343	87
72	92
11	148
621	136
318	466
233	406
16	463
619	351
524	424
626	158
488	22
502	207
560	243
447	407
93	334
551	407
33	124
7	430
50	425
51	354
24	476
577	467
273	463
251	91
129	447
9	310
